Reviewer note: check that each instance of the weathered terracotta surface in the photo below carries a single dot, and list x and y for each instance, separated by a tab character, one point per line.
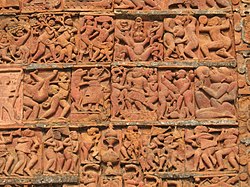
11	95
46	95
124	93
21	153
53	38
90	93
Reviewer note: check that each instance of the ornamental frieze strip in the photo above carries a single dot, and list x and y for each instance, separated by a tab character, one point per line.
84	39
92	94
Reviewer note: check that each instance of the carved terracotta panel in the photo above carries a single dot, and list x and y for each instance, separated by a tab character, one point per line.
11	95
124	93
201	4
215	92
138	5
61	150
30	6
211	149
134	93
46	95
21	153
176	94
181	38
216	38
90	93
53	38
138	40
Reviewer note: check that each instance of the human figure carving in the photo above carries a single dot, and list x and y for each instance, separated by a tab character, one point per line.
117	94
6	159
219	43
220	85
46	39
175	95
131	144
205	144
35	92
89	145
96	39
201	4
180	39
230	148
70	153
136	42
64	40
26	147
59	95
53	152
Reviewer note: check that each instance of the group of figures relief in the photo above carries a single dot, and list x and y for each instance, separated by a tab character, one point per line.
120	93
59	39
25	153
148	93
182	38
36	5
134	154
70	38
117	152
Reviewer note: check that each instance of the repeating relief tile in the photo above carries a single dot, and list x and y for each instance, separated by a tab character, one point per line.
124	93
173	5
200	5
138	5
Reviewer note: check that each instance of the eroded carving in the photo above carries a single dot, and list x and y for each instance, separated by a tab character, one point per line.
46	95
215	92
11	96
90	175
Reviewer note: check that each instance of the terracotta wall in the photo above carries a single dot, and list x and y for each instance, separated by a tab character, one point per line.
125	93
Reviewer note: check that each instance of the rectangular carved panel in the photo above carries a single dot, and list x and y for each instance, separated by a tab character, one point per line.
46	95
